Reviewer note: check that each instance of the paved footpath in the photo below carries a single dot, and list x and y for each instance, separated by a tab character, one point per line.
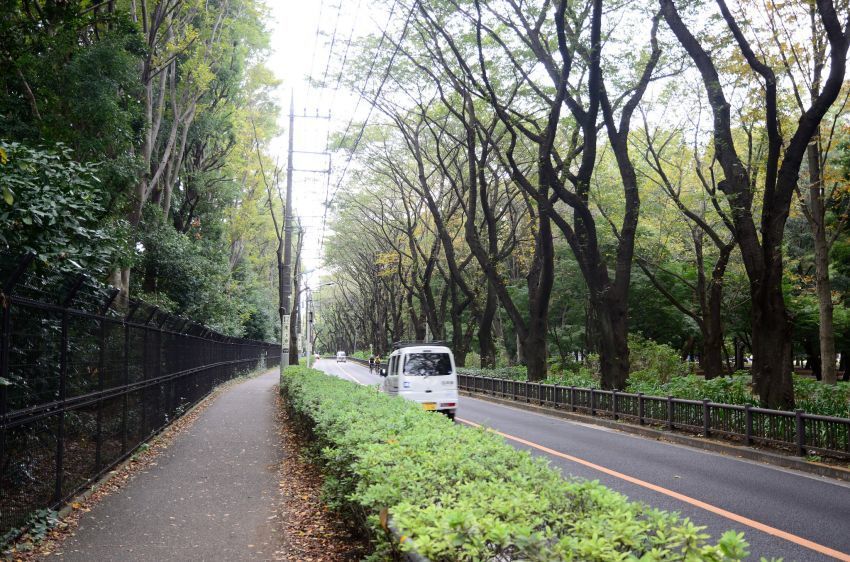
212	495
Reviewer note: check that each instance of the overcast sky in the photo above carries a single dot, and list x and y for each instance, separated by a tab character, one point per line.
298	52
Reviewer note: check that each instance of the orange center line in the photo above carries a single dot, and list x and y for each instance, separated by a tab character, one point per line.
844	557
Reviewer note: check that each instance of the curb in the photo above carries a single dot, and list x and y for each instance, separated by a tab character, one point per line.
776	459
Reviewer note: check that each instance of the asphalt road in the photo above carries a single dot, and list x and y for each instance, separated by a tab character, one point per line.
783	513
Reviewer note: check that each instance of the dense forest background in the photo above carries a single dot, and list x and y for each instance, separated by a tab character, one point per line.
564	185
559	185
130	133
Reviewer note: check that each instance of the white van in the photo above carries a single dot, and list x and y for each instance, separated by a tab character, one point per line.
340	357
424	373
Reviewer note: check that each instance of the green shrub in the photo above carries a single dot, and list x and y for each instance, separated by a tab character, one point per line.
815	397
811	396
658	360
473	360
456	493
514	373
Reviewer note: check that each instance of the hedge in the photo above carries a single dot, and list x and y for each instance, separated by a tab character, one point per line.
458	493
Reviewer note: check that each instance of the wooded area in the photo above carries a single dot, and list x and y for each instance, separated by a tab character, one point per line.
129	134
539	180
547	177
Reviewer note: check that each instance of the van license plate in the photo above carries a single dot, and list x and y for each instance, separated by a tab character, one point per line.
429	405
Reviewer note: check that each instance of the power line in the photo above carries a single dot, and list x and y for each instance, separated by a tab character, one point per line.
329	199
334	92
315	48
330	52
345	53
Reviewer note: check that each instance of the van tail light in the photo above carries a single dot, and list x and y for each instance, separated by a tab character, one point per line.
448	404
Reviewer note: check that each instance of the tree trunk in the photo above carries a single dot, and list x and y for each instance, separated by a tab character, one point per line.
520	354
771	343
687	349
739	355
486	344
459	355
813	359
826	331
712	347
293	326
417	320
612	328
534	349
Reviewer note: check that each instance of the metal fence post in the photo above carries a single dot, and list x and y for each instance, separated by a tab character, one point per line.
146	364
592	402
801	433
572	398
101	378
63	388
60	430
640	408
706	418
670	413
748	424
126	402
614	403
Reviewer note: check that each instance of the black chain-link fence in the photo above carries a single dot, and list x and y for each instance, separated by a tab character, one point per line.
87	375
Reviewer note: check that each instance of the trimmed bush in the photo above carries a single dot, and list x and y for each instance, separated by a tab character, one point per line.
457	493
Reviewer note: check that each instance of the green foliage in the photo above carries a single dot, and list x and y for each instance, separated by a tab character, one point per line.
55	207
32	532
815	397
812	396
453	493
73	104
736	389
514	373
650	359
190	276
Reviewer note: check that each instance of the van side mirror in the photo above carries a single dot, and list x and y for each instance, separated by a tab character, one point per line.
383	372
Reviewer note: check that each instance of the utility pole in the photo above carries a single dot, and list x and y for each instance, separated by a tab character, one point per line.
286	282
308	306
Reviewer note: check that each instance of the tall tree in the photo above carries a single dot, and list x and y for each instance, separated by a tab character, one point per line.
761	247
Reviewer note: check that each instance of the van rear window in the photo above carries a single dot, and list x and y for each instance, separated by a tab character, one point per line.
427	364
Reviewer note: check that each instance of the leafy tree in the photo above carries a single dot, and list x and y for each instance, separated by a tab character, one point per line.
55	207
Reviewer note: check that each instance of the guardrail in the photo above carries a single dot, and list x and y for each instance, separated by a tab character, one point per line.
87	375
798	432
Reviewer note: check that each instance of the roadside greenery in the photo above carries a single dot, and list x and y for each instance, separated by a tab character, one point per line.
657	370
53	206
129	143
455	493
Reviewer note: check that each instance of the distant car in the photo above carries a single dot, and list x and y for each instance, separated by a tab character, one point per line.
340	357
317	357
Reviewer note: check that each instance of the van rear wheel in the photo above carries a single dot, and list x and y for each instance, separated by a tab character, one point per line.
450	415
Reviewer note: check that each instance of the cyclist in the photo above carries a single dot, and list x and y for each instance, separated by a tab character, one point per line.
371	364
377	364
